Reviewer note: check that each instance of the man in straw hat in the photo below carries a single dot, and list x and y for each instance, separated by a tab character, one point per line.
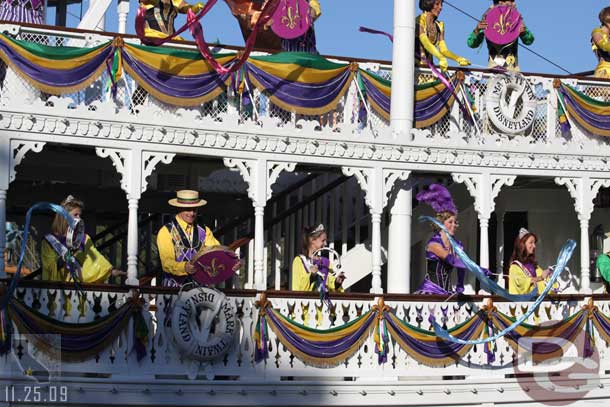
180	240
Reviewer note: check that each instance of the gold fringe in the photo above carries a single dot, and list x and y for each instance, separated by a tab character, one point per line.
329	107
182	102
71	356
51	89
319	362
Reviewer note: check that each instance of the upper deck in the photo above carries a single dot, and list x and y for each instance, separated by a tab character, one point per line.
256	119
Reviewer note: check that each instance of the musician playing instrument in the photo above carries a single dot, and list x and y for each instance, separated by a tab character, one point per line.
601	44
160	15
180	240
90	267
501	55
430	39
307	273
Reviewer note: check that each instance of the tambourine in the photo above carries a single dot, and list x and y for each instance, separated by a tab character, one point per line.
291	19
75	237
214	264
503	24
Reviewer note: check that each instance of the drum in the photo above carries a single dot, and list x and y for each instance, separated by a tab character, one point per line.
291	19
214	264
503	24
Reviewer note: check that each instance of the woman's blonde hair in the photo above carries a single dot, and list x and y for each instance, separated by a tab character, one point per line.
59	227
442	217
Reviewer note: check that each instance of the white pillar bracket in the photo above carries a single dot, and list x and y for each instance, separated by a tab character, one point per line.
376	183
583	190
18	150
260	175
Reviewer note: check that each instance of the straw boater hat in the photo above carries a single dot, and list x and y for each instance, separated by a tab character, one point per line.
187	199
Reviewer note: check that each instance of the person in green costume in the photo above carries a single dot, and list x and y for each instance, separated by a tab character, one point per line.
603	263
504	56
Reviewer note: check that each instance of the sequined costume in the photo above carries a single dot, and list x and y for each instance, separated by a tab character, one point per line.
160	15
438	276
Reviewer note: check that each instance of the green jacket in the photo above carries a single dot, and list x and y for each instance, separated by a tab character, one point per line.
603	265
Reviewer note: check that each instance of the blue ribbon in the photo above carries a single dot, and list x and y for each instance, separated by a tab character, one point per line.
40	206
562	260
486	283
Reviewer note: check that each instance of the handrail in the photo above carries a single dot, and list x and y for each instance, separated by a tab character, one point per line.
270	294
118	225
220	231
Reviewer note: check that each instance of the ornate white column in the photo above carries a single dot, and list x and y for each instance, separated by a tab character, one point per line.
399	239
376	184
260	175
123	12
484	188
135	166
5	169
584	190
403	68
500	248
12	153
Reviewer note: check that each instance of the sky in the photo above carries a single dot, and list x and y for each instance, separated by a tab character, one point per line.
562	29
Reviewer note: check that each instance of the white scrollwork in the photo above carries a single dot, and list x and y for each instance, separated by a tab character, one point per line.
150	161
389	181
484	188
259	183
274	169
19	148
583	190
119	161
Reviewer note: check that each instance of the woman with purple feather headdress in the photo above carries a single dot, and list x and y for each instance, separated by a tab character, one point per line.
440	258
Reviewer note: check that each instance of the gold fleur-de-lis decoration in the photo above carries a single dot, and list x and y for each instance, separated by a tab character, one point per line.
291	20
503	25
214	268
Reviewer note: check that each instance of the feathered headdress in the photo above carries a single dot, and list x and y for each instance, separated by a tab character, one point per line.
439	198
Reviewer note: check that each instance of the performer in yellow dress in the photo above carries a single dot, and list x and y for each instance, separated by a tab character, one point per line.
430	39
160	15
601	44
525	274
94	267
180	240
306	273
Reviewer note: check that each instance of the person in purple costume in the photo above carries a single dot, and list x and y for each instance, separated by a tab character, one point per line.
440	257
23	11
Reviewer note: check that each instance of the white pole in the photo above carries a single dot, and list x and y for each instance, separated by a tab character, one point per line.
260	276
132	242
399	242
403	68
3	230
376	286
123	12
585	282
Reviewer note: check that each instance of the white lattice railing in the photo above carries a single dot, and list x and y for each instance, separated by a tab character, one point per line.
164	361
545	128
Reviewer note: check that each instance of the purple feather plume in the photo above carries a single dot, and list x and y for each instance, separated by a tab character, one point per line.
439	198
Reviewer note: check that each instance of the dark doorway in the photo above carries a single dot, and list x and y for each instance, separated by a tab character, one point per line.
513	221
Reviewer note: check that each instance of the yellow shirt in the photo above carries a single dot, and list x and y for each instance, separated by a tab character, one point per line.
94	266
519	280
165	244
302	281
